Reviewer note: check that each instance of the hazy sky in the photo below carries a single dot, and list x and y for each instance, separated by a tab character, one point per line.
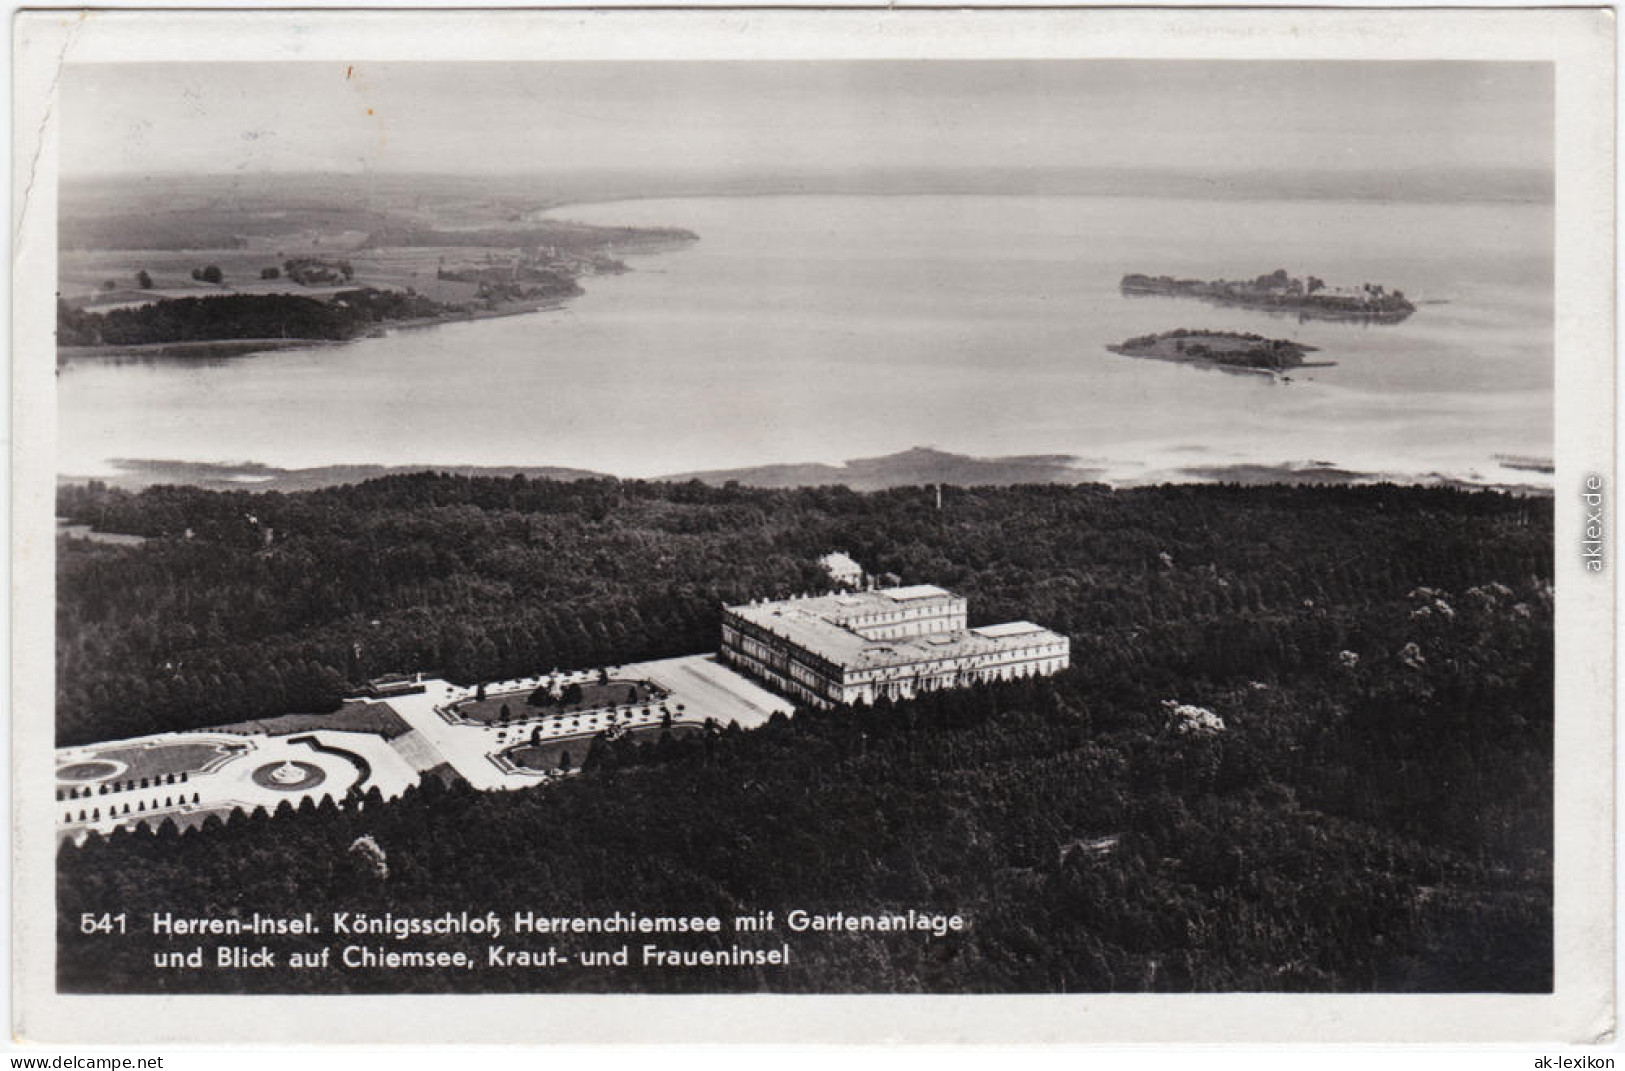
473	118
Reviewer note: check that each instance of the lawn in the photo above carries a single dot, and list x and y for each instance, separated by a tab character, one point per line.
545	756
351	717
594	696
158	760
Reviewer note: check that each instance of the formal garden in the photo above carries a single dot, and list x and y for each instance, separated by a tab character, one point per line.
554	697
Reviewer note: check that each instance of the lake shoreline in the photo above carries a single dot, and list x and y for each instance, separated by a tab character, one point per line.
204	349
916	467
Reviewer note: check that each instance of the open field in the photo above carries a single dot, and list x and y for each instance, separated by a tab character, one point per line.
83	274
90	535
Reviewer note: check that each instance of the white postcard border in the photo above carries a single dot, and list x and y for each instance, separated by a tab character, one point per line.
1578	41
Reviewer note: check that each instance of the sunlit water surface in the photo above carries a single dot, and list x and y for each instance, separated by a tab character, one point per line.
827	328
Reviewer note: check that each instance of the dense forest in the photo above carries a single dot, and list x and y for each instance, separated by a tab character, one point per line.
243	316
1361	800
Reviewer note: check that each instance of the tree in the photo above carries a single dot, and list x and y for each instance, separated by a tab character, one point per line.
272	272
143	280
564	761
213	274
369	857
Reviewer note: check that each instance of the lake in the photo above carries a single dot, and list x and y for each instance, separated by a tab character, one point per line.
825	328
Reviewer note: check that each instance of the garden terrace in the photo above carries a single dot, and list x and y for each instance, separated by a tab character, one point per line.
570	698
142	763
546	755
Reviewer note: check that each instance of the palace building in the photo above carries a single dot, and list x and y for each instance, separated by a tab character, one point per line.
889	643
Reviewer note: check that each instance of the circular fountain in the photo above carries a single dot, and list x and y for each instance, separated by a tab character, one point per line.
289	775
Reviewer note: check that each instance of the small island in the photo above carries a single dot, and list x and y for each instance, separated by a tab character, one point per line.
1227	350
1279	292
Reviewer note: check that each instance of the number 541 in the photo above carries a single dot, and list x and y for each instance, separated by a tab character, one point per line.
103	923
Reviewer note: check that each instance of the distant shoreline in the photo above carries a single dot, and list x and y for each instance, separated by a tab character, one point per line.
919	467
1516	188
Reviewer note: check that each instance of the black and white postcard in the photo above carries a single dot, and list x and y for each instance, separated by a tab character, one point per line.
1051	518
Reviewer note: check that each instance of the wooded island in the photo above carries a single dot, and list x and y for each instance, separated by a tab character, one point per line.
1226	349
1279	292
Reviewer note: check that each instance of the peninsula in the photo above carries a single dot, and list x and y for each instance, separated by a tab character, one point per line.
1279	292
324	262
1229	350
